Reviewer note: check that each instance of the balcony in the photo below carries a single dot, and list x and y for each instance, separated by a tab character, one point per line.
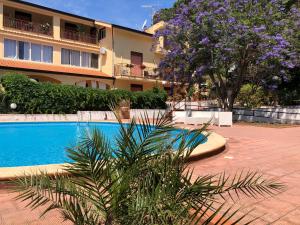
126	70
33	27
159	47
79	36
79	32
160	50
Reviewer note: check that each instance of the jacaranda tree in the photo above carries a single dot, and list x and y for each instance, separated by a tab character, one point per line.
232	42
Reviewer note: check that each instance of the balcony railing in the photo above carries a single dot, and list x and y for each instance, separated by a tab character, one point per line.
126	70
34	27
79	36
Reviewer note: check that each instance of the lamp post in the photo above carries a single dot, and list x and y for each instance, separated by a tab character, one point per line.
13	106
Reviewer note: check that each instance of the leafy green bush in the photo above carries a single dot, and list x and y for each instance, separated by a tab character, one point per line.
289	91
251	96
3	105
32	97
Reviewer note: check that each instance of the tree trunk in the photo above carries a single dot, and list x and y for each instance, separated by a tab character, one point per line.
220	91
226	95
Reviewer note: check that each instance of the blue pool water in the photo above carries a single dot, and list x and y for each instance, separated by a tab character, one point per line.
28	144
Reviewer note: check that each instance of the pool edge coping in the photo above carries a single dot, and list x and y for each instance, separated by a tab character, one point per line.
214	145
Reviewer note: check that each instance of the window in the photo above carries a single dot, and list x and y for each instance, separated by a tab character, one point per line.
23	50
41	53
47	54
70	57
36	52
95	62
102	86
102	33
136	87
75	58
10	48
28	51
85	59
65	56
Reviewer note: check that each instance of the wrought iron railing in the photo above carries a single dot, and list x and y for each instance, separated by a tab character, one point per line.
79	36
34	27
127	71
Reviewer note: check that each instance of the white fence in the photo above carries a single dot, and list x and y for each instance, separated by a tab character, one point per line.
288	115
268	115
37	117
201	117
151	113
81	116
196	105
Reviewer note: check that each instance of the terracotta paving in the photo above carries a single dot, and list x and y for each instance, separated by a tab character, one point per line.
274	151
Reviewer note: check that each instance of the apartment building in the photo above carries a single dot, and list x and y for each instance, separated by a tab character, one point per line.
49	45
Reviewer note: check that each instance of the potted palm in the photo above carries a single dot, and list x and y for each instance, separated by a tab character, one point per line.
124	109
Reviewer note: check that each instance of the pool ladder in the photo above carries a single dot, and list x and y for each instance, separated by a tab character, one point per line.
80	117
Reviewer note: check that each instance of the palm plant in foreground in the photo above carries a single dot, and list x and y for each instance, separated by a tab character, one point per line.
140	179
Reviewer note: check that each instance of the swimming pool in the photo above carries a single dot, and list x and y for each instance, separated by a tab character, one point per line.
31	144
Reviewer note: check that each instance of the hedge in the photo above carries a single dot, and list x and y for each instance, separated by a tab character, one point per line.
40	98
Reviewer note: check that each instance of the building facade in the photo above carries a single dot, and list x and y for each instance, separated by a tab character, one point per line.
54	46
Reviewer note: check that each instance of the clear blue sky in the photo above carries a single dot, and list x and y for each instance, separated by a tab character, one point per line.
129	13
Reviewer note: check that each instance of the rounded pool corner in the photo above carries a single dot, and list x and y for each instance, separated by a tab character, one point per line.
214	145
51	130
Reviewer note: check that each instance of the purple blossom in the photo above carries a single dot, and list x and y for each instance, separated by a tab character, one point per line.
241	27
259	29
228	49
204	41
201	70
220	28
288	64
214	4
220	10
277	23
199	18
231	20
273	87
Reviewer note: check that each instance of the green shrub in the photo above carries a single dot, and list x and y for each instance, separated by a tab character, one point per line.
3	105
289	91
32	97
251	96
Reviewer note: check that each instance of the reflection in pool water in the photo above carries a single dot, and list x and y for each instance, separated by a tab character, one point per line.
29	144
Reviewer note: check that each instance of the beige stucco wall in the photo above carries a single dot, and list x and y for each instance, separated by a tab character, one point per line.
56	41
156	27
126	41
1	15
58	78
159	43
56	46
119	43
126	84
106	60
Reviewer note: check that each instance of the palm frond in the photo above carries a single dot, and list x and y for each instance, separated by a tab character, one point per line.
251	184
141	178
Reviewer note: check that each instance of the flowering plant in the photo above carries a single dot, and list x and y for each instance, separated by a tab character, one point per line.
231	41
